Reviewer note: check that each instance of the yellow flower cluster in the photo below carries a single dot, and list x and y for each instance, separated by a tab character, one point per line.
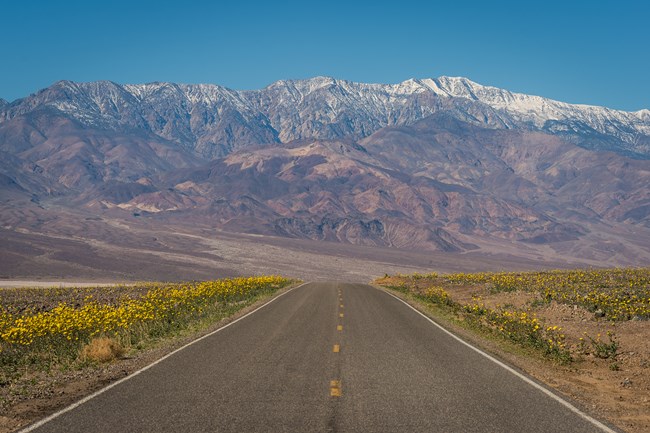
520	327
438	295
621	294
165	303
523	327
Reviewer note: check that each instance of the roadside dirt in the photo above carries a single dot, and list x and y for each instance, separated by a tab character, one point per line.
15	284
616	390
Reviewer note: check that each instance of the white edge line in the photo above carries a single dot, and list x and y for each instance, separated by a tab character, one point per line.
526	379
147	367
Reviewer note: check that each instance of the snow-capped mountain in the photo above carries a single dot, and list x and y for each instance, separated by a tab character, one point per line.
437	164
212	121
553	116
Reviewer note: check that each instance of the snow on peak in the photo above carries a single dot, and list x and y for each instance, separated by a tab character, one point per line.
538	111
410	86
644	114
294	105
305	85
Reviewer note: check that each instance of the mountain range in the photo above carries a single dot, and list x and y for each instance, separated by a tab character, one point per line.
434	164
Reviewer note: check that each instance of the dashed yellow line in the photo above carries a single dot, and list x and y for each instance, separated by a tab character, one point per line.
335	388
335	385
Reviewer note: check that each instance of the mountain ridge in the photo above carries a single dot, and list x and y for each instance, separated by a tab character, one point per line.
196	115
444	165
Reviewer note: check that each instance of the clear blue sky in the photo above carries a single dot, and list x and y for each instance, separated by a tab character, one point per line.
593	52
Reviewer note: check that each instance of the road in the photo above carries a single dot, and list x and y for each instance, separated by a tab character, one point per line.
325	357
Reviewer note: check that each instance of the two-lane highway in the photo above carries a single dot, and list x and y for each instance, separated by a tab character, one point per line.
325	357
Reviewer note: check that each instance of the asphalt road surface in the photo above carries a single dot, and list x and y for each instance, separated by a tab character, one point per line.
325	357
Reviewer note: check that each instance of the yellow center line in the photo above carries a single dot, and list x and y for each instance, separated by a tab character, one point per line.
335	388
339	328
340	314
341	305
336	348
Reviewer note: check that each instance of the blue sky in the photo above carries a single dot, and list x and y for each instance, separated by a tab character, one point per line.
576	51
